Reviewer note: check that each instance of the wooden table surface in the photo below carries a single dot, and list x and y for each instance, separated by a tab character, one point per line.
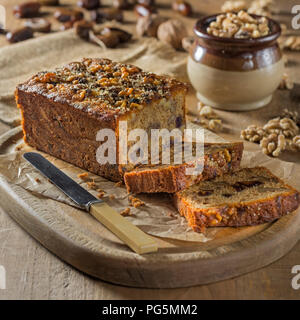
34	273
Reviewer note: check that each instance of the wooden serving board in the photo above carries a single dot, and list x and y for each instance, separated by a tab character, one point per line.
77	238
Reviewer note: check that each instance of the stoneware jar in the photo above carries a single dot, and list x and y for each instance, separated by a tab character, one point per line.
235	74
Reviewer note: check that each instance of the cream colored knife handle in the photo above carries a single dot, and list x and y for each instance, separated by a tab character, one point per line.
135	238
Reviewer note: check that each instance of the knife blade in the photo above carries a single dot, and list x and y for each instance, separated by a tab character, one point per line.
135	238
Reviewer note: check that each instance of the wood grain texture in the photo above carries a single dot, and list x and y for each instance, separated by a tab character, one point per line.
35	273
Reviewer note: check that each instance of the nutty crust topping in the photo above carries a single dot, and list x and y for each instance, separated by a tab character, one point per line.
96	85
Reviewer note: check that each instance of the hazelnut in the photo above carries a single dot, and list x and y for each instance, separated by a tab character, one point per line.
19	35
123	35
66	26
172	32
147	26
27	10
107	14
147	2
48	2
144	10
121	4
89	4
106	41
83	28
38	25
65	15
182	7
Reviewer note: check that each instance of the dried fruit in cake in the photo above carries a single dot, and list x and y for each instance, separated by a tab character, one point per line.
247	197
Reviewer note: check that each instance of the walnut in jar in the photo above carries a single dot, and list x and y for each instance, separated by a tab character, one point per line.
240	26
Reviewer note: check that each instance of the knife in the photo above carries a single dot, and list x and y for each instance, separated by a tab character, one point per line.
135	238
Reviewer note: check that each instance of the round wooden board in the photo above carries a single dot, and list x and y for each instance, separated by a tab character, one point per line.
75	237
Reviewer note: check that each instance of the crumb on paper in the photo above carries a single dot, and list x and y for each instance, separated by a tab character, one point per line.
135	202
83	176
19	147
112	197
92	185
100	194
125	212
171	214
37	180
119	184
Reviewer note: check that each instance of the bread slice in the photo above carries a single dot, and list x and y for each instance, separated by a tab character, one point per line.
249	196
217	160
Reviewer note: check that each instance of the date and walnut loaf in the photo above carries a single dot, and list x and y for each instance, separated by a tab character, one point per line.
217	159
247	197
62	110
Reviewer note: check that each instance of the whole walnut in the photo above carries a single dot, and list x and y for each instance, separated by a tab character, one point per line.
147	26
172	32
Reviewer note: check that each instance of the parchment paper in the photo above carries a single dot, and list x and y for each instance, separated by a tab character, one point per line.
158	217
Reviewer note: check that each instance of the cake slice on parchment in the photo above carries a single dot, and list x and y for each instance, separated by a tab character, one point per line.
63	110
249	196
217	159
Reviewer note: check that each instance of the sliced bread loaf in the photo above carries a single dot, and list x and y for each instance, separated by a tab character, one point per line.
249	196
217	159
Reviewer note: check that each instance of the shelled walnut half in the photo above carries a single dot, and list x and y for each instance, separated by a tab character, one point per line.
208	118
233	6
286	83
